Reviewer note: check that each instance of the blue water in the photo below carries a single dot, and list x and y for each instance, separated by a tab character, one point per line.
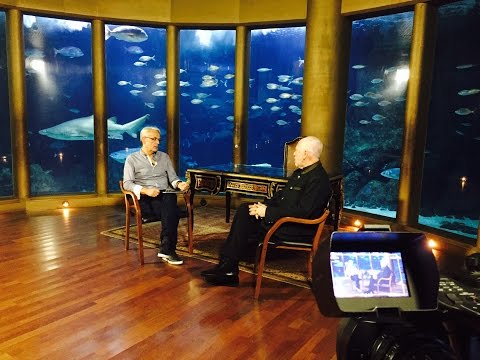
59	89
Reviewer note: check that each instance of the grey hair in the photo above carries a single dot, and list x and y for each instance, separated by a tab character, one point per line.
147	129
313	145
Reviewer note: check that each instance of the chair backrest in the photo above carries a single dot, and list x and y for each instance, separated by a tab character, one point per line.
288	150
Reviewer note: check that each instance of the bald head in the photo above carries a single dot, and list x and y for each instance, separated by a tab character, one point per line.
307	151
312	145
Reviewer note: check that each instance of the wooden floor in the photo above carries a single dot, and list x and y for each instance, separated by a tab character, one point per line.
67	292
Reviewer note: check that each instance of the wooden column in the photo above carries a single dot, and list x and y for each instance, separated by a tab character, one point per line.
99	107
172	94
17	103
325	79
416	113
242	69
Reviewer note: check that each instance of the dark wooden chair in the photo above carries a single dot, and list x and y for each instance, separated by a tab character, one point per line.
271	240
288	160
132	208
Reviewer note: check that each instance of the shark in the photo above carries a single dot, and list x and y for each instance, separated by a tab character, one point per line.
82	129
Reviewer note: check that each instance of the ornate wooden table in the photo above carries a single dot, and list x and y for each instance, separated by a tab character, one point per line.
252	180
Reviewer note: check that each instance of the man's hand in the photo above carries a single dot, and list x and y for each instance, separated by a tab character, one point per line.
182	185
258	210
153	192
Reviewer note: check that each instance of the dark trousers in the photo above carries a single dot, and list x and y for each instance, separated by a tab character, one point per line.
245	231
163	207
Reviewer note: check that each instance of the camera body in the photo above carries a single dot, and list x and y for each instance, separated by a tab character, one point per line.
385	285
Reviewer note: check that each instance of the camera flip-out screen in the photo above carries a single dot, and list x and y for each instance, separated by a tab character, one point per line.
370	272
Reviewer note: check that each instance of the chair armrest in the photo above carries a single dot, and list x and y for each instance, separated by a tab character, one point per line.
290	219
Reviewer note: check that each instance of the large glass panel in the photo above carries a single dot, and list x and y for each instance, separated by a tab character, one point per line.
6	179
59	105
136	91
276	85
207	76
378	76
451	179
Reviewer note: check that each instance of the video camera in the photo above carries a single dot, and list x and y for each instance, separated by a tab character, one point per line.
385	285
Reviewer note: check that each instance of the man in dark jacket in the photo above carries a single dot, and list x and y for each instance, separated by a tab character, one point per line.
305	195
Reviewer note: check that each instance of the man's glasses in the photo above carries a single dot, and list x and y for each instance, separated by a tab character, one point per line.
153	139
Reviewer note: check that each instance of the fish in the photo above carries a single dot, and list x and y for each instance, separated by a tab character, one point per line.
69	51
139	63
74	110
82	129
465	66
139	86
209	83
256	107
213	68
356	97
376	81
285	96
378	117
281	122
263	69
121	155
135	92
146	58
126	33
358	66
184	83
134	50
229	91
384	103
284	78
230	118
275	108
229	76
463	111
393	173
150	105
360	103
214	106
271	100
297	81
262	165
123	83
272	86
160	93
162	83
364	122
196	101
467	92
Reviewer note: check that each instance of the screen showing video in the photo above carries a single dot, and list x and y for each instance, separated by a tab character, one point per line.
368	274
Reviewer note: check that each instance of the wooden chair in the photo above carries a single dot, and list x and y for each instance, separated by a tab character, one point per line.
132	208
386	283
270	239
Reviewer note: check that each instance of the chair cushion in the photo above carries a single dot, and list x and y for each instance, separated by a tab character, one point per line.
279	242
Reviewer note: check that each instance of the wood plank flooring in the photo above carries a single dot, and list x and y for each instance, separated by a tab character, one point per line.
67	292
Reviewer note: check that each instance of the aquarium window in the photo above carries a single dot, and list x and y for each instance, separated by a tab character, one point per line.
275	92
377	84
451	175
59	112
6	178
136	91
207	79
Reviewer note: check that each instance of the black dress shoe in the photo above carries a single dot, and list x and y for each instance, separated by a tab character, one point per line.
225	267
222	279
